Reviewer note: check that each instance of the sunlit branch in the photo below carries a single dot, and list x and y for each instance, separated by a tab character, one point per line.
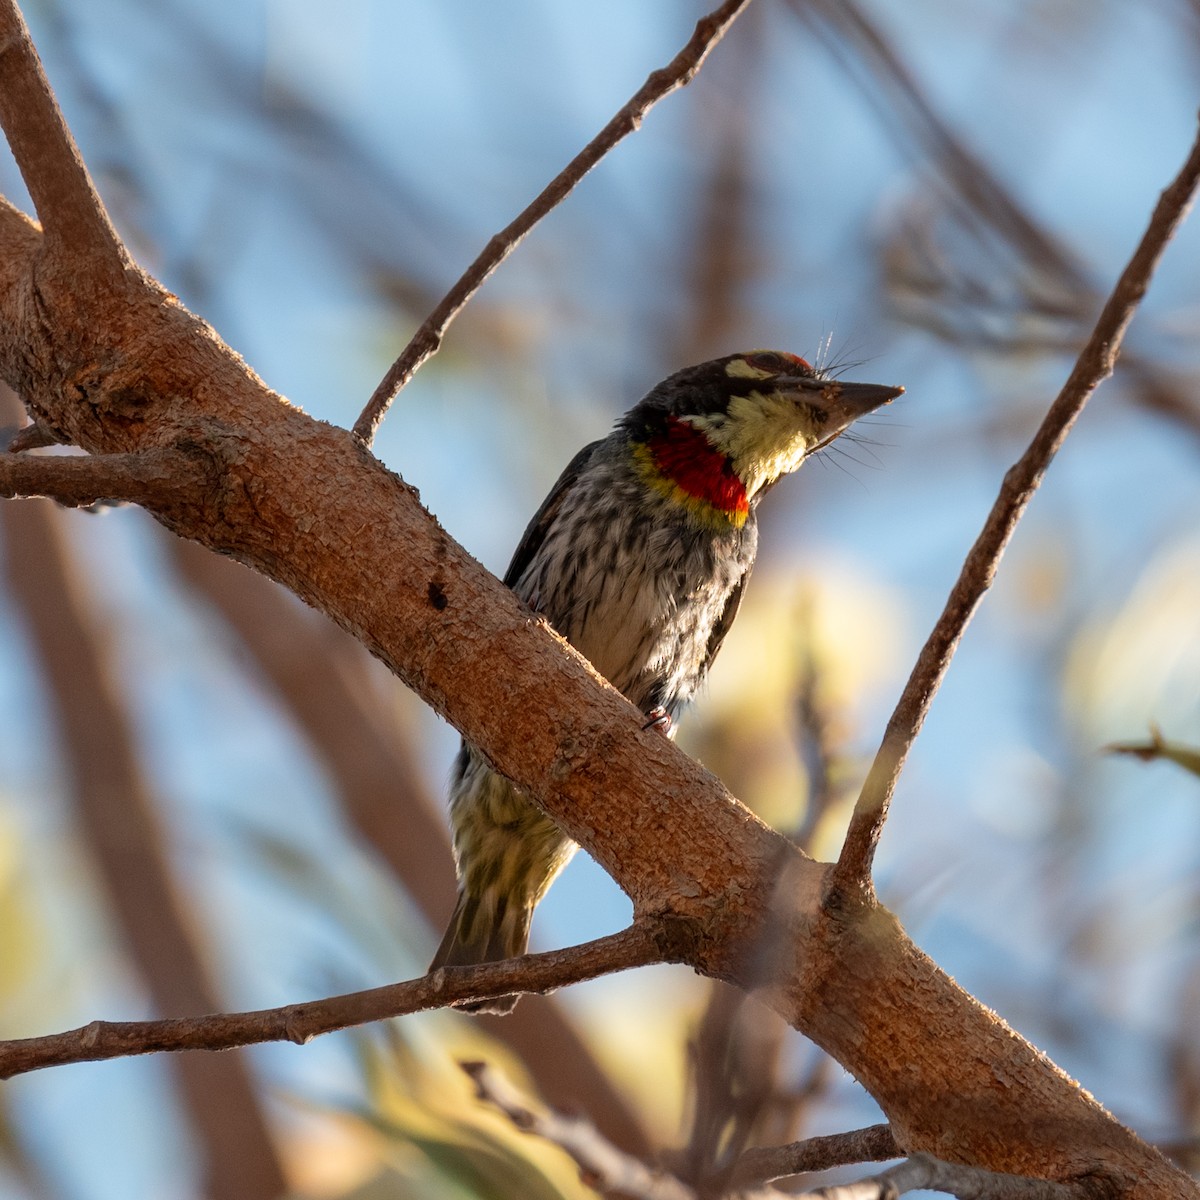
1095	363
679	72
636	946
71	213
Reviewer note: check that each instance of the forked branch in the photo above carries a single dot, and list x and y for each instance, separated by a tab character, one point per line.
1095	363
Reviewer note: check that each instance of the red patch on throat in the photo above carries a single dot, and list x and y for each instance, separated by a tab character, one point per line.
685	456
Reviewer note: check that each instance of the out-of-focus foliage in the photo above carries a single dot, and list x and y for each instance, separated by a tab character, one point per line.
419	1132
1187	757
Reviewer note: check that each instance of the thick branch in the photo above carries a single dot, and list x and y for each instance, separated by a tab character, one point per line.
305	504
636	946
67	205
679	72
1095	363
155	477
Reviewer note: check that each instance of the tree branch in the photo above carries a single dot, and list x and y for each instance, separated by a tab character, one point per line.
157	476
922	1172
636	946
1095	363
304	503
875	1143
71	212
679	72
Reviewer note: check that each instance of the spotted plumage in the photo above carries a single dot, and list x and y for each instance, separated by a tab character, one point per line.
638	557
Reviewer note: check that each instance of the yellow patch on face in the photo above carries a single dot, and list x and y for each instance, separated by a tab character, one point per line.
764	435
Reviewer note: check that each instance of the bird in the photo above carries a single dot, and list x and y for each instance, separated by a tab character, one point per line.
639	557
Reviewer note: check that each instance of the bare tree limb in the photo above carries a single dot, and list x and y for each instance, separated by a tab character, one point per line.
603	1167
156	476
66	201
636	946
1095	363
875	1143
679	72
922	1172
303	503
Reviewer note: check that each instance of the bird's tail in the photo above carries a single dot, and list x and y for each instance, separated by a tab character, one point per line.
485	928
508	854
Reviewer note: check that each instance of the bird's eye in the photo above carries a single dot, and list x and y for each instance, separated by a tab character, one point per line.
766	360
771	360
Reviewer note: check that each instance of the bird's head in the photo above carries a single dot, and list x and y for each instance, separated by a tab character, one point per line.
714	436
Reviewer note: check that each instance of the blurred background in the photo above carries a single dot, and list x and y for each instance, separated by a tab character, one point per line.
211	799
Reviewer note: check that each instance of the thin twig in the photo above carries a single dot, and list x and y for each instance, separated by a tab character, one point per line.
925	1173
875	1143
603	1167
679	72
153	477
72	214
1095	363
635	946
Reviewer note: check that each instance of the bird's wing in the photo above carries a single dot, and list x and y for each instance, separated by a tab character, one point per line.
725	620
535	532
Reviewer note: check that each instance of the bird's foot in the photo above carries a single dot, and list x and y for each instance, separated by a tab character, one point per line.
660	719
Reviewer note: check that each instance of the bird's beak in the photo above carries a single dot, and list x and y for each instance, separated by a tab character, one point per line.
844	403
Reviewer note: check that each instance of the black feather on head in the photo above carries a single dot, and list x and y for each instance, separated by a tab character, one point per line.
707	388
